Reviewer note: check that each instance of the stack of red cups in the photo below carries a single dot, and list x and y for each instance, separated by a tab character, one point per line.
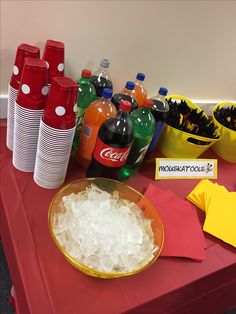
56	133
29	107
23	51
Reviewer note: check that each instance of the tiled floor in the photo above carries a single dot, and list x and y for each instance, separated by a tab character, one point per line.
5	285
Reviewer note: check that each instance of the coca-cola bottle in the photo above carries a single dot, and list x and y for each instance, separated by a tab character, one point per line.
113	144
101	78
127	93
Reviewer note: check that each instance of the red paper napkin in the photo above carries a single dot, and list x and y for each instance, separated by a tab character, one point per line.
183	236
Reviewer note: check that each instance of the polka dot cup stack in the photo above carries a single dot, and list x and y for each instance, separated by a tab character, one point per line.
29	108
23	51
56	133
54	55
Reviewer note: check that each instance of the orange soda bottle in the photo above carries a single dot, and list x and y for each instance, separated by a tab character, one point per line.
129	89
140	92
96	113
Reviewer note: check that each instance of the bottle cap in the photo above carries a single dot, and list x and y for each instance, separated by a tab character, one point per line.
23	51
54	56
107	93
33	88
118	98
129	85
148	103
125	105
140	76
86	73
105	63
60	109
163	91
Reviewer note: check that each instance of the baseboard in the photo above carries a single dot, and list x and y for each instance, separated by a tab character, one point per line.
3	106
206	105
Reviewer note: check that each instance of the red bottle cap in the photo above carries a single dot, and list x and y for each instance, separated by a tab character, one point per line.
125	105
23	51
86	73
54	55
60	110
33	88
148	103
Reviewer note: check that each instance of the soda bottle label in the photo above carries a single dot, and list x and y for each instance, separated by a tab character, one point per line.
79	122
138	151
110	156
142	152
80	116
158	130
87	140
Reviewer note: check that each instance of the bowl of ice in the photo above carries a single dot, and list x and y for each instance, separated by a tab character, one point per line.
105	228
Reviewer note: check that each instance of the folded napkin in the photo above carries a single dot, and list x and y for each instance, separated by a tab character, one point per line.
183	236
220	207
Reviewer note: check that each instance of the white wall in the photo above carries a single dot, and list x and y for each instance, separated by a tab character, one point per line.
187	46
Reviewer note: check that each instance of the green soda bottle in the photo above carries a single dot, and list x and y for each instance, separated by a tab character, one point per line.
143	124
86	95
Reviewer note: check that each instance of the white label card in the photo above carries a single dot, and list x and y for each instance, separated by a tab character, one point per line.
181	168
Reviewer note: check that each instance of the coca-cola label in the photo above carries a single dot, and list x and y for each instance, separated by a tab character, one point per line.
110	156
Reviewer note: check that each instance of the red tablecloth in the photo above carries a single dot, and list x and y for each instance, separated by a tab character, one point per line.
46	283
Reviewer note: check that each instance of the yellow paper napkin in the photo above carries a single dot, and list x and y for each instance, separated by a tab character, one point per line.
221	217
197	196
220	207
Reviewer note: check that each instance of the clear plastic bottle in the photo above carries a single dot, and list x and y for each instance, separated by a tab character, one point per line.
97	112
140	92
86	95
101	78
143	124
159	110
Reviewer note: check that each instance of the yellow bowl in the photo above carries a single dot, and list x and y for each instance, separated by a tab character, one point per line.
125	192
174	143
226	147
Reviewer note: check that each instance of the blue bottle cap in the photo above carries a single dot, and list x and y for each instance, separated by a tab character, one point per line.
107	93
163	91
130	85
140	76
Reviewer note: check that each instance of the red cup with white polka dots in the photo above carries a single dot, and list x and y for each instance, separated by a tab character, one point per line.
54	55
56	133
30	102
34	85
60	110
23	51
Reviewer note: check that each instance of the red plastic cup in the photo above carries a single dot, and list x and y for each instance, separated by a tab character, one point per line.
23	51
60	110
33	88
54	55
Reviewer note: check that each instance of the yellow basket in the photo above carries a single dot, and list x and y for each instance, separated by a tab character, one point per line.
174	143
226	147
